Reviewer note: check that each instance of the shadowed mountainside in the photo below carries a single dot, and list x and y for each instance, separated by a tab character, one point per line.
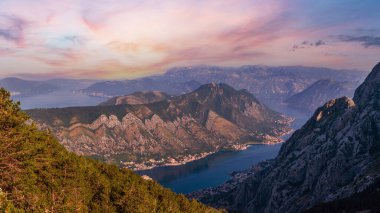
335	155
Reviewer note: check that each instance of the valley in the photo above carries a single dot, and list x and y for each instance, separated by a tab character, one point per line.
174	131
206	143
245	106
218	168
332	157
266	83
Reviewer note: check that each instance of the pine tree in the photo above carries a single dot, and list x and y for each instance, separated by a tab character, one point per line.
37	174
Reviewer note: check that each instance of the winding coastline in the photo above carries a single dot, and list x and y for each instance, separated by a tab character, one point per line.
182	160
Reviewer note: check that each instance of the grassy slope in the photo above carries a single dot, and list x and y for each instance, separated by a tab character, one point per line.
39	175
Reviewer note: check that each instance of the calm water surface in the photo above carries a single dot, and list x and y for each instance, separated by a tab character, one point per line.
208	172
211	171
61	98
216	169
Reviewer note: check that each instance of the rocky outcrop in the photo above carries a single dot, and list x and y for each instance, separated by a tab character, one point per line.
334	155
211	118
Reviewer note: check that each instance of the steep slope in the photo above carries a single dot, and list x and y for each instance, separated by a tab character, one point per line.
320	92
38	175
24	88
172	131
333	156
238	107
146	97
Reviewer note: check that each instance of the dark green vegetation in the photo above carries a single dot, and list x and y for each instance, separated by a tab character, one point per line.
37	174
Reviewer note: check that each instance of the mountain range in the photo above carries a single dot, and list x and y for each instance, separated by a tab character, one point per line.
271	85
172	131
21	88
331	164
119	88
268	84
331	161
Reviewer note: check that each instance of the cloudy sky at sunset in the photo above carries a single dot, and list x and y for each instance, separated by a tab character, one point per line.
128	39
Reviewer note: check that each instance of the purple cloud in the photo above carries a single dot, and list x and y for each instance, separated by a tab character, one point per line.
308	44
12	28
366	41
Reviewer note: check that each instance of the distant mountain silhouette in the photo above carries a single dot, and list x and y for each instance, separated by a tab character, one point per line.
320	92
22	88
268	84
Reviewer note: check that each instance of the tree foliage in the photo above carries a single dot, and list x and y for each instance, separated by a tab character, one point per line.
39	175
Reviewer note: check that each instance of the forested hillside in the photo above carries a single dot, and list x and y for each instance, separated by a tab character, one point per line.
37	174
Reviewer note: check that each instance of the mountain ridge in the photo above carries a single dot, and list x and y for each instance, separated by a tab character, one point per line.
142	97
267	83
334	155
189	126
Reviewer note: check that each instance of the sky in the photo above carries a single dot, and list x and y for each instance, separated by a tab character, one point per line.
123	39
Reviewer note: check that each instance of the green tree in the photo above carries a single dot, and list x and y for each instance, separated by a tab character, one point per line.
39	175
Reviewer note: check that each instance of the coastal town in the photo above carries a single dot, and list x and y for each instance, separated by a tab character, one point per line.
152	163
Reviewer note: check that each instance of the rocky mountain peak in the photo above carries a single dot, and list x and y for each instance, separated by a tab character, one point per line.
375	74
215	87
368	94
214	116
221	90
333	106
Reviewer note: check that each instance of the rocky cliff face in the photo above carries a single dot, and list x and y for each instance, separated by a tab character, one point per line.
320	92
182	128
334	155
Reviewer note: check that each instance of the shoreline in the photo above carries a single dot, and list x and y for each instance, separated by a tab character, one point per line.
191	158
172	162
182	160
